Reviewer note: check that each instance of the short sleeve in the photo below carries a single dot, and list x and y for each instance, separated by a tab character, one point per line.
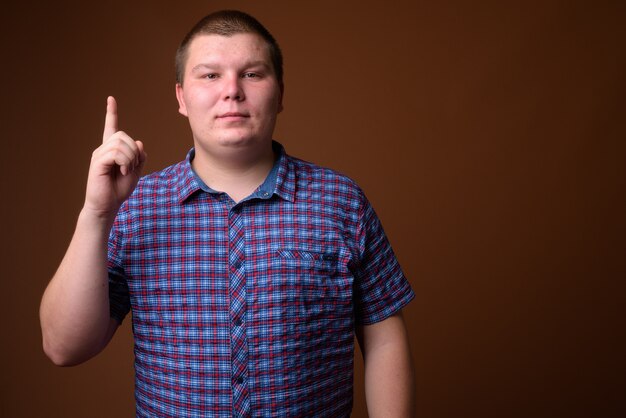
381	288
119	299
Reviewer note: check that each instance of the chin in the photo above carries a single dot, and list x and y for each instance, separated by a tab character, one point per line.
240	138
228	143
236	141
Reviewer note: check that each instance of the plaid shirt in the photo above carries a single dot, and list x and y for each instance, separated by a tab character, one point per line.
249	308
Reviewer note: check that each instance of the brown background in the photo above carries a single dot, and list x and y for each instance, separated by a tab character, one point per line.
489	136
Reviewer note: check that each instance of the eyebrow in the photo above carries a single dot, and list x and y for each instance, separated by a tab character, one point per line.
205	65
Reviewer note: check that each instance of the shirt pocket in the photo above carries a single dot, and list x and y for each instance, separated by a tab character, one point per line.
316	319
312	284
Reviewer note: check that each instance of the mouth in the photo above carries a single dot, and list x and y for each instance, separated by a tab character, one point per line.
233	115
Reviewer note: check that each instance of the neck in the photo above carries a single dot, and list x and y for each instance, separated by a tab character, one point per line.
234	172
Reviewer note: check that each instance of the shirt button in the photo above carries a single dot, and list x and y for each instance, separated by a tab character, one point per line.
238	322
239	380
236	265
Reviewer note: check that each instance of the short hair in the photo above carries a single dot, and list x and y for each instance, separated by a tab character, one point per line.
228	23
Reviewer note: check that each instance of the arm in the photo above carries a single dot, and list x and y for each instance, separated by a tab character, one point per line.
74	312
389	379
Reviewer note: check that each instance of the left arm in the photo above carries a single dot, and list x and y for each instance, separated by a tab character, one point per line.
389	379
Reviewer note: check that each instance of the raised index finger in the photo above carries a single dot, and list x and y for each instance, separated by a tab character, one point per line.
110	120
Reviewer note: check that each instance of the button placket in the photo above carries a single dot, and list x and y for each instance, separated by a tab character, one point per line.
239	345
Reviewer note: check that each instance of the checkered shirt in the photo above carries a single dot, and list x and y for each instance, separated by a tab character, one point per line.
249	308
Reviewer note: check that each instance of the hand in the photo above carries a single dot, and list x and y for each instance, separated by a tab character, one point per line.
115	168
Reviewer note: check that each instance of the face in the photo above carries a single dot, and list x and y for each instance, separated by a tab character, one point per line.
230	93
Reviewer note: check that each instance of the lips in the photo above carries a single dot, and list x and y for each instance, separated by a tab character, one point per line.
233	115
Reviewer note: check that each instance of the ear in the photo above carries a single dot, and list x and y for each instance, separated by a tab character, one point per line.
182	108
280	98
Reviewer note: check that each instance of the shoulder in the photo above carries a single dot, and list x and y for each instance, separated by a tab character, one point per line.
314	176
327	189
166	176
160	187
157	195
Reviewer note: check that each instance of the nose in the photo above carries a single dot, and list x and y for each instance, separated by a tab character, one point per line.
233	89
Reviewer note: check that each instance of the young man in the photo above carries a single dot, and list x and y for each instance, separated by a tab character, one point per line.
248	271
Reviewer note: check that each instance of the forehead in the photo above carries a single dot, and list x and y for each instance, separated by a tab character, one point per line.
227	49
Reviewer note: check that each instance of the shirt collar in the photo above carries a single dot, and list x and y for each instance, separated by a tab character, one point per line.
187	181
279	181
285	183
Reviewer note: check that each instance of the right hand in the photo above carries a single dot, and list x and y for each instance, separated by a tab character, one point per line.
115	167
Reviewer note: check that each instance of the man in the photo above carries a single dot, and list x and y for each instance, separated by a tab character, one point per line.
248	271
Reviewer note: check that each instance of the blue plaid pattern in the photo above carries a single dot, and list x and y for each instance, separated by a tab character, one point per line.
249	309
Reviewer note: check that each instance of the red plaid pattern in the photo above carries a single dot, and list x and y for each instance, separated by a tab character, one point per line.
249	309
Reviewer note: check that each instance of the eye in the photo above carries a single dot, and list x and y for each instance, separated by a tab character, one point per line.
251	75
211	76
